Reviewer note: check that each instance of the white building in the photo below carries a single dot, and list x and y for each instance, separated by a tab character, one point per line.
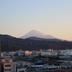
49	52
66	52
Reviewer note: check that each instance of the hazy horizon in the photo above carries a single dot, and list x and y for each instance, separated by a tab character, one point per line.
52	17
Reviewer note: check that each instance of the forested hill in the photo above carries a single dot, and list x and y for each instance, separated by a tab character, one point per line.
10	43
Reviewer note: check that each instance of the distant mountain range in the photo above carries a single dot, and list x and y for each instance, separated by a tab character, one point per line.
33	40
37	34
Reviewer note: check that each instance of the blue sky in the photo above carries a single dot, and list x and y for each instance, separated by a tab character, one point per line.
53	17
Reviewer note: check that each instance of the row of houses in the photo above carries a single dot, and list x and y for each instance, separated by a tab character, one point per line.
7	65
42	52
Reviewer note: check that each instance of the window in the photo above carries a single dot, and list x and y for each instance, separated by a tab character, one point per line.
7	65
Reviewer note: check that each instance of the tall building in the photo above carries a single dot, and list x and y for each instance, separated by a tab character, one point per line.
8	65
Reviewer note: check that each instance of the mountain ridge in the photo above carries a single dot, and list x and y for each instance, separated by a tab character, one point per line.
10	43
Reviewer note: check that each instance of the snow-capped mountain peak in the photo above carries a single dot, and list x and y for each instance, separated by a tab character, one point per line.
37	34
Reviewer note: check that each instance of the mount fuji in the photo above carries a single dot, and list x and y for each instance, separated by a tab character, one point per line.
37	34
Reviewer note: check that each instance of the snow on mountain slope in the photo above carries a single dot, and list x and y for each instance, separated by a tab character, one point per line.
37	34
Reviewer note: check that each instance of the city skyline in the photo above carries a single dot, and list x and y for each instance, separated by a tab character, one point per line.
52	17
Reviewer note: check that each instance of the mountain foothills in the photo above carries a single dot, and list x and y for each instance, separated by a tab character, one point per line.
32	42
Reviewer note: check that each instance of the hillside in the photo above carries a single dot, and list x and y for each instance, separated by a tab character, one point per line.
9	43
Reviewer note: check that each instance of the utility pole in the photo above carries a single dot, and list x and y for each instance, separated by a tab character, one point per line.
0	55
0	49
